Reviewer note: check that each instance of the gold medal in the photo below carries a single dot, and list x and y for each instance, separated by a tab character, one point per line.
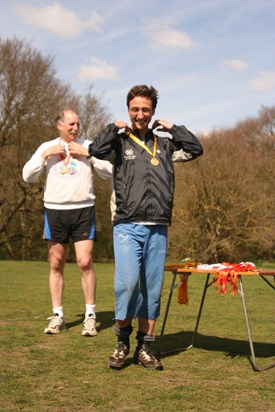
154	161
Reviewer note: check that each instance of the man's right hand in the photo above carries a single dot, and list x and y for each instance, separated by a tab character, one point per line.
55	150
120	124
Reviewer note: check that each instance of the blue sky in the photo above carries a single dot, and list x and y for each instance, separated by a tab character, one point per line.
212	61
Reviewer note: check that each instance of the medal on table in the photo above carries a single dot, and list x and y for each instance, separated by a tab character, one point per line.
154	160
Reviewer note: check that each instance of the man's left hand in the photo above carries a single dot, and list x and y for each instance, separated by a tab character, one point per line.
162	125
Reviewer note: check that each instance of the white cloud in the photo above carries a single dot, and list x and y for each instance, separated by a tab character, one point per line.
265	82
98	69
171	39
162	36
235	64
58	20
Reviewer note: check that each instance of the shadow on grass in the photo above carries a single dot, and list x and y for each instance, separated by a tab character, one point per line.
233	347
104	320
76	322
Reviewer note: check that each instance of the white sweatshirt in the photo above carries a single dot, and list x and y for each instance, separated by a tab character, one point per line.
69	183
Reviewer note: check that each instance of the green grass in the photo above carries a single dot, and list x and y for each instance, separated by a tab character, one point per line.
69	372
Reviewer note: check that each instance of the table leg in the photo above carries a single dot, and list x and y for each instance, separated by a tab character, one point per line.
269	283
253	361
167	309
172	287
206	285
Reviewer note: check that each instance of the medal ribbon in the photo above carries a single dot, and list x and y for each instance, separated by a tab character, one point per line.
64	159
140	142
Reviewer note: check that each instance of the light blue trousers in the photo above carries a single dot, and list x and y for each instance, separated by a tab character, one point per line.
140	253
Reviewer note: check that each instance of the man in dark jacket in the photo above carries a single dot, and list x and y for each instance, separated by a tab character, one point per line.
141	205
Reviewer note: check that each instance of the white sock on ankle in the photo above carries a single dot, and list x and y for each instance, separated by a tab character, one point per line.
59	311
90	310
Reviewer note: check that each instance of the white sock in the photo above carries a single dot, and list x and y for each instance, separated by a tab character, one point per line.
59	311
90	310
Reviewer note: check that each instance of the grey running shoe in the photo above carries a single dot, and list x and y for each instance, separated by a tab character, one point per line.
89	328
56	324
118	357
145	357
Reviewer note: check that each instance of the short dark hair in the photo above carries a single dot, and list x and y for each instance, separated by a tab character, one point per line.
143	91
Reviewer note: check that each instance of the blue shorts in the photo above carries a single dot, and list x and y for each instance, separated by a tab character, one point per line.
140	253
61	225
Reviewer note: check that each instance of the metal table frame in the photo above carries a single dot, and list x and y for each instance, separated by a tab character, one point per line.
176	270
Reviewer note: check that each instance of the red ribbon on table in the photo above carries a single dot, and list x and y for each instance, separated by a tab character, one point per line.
229	272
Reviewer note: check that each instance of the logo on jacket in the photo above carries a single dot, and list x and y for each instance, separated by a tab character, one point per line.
129	154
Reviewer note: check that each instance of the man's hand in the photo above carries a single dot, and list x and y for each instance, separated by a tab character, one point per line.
120	124
54	150
77	149
162	125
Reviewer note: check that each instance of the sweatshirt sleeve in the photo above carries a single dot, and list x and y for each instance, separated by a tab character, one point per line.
34	168
104	168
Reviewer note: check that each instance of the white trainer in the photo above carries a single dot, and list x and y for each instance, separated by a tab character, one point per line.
56	324
89	328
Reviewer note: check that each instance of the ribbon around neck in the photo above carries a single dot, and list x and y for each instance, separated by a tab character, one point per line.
143	145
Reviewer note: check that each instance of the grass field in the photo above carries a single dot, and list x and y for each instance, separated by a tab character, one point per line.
69	372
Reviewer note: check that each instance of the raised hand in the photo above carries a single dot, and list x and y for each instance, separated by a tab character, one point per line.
77	149
54	150
162	125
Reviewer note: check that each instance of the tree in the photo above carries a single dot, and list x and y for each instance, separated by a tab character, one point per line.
93	114
223	207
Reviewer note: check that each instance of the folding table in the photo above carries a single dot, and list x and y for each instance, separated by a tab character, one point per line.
178	269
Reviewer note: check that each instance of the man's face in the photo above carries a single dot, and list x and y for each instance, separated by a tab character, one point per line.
140	111
69	129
